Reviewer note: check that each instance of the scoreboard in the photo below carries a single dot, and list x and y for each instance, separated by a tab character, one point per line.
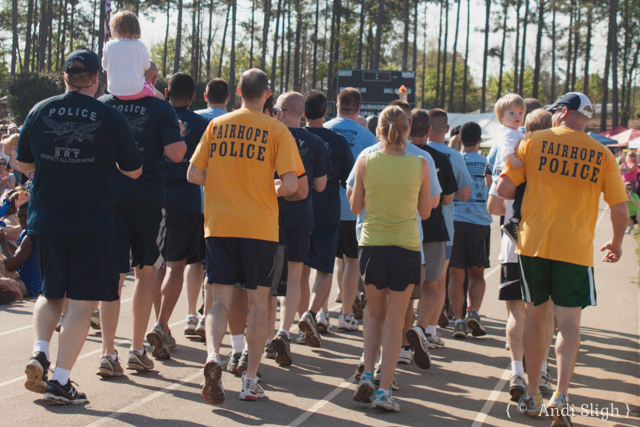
378	87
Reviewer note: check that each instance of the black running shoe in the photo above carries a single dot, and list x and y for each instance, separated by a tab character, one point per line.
511	230
63	394
37	370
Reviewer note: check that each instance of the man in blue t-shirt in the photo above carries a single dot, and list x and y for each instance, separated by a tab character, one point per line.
297	217
326	215
358	138
216	96
472	223
77	146
185	221
140	224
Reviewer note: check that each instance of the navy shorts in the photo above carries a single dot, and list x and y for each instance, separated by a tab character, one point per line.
470	245
142	232
389	267
347	240
297	241
82	268
185	238
232	260
322	250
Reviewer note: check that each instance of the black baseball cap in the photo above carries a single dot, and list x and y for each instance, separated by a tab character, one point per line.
88	59
574	101
470	132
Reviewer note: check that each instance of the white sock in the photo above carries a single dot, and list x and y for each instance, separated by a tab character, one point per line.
61	375
252	380
517	368
42	346
237	342
139	352
286	333
430	330
543	367
112	356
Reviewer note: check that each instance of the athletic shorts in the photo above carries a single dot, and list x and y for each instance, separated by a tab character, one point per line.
510	289
389	267
434	256
185	238
232	260
280	273
142	233
322	250
417	289
568	285
634	218
79	267
297	241
347	240
470	245
447	252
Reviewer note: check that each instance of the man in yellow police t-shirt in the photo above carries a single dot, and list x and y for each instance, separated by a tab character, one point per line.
565	171
235	162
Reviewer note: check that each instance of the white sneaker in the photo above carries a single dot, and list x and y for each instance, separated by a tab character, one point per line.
200	328
406	356
322	322
190	324
250	390
434	341
348	323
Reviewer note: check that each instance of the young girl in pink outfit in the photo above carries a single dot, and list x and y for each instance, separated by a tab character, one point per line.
629	169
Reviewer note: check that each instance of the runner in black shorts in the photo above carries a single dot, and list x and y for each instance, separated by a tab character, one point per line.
185	223
140	223
71	226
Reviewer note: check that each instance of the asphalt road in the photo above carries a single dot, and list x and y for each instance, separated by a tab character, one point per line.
466	385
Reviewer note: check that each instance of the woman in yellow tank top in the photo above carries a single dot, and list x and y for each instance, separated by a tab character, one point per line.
393	186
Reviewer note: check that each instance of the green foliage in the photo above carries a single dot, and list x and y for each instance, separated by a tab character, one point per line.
27	89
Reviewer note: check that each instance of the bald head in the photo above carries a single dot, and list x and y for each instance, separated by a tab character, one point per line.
253	84
361	121
570	118
293	103
151	74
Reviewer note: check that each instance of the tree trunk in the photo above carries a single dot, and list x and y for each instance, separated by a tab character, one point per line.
60	5
265	36
424	55
567	81
466	57
483	97
72	26
453	59
93	27
50	42
14	26
415	37
289	37
274	63
43	35
576	41
536	70
315	46
405	38
336	50
524	46
232	59
553	53
282	62
376	50
27	42
517	49
332	41
176	60
444	57
587	52
437	100
166	41
297	81
360	34
253	24
194	39
613	25
504	44
605	84
224	38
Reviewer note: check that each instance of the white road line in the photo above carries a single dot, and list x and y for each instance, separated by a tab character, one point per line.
147	399
490	273
118	343
320	404
602	216
482	415
31	326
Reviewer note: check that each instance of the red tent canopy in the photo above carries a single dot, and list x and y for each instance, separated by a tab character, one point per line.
626	136
616	130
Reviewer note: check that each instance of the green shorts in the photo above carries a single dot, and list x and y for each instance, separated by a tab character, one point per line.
568	285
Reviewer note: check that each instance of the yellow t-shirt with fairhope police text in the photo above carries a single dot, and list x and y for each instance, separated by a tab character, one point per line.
565	171
240	152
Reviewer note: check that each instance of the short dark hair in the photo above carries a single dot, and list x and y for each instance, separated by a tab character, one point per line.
420	122
404	105
269	103
349	99
217	91
470	134
24	205
315	104
79	80
253	84
180	87
439	120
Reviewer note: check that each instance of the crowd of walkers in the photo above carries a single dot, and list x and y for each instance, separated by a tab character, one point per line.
253	202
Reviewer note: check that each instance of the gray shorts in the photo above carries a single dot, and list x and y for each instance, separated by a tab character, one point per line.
434	256
279	284
417	289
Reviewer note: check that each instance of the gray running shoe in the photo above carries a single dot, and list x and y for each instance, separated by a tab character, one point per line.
171	342
384	402
417	339
200	328
322	322
359	369
190	324
460	331
243	362
364	389
307	324
282	347
250	390
212	391
269	352
348	323
139	362
435	341
234	360
546	382
517	387
59	325
559	410
376	379
95	319
63	394
532	405
109	367
473	322
159	339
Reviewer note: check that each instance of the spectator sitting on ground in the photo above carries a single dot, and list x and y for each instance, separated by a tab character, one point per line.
22	260
12	228
8	149
11	290
7	180
29	175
